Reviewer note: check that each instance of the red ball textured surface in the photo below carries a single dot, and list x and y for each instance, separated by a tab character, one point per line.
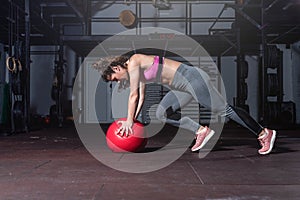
133	143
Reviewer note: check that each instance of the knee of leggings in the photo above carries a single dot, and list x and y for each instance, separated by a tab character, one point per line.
160	113
220	110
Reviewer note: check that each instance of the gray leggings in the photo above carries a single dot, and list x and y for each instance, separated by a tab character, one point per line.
193	83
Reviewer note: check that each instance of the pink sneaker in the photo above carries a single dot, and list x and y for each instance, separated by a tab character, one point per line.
267	141
202	138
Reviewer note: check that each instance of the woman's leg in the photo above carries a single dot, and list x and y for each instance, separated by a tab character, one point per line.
197	83
207	95
243	118
172	102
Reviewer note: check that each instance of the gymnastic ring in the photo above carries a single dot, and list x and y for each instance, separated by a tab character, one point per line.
19	65
12	69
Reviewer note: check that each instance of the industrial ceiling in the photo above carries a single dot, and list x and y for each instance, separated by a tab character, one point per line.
274	21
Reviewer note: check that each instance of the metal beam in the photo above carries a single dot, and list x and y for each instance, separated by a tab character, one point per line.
271	5
284	34
247	17
75	9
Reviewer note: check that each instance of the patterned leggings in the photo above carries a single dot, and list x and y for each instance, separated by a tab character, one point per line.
193	83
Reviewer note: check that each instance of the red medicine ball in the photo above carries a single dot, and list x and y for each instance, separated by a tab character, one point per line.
133	143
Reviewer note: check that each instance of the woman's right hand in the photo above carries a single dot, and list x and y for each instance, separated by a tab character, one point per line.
124	128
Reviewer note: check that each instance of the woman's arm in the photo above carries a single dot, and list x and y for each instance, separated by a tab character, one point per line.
141	99
134	77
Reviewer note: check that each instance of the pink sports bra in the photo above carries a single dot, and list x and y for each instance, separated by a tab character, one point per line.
152	72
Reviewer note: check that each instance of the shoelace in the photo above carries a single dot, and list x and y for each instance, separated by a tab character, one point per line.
261	142
201	133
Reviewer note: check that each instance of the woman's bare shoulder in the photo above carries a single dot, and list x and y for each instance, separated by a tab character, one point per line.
141	60
138	57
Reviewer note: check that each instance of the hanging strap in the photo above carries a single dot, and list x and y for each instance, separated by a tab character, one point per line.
158	75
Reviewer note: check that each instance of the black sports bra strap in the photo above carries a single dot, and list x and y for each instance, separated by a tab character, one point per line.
158	75
161	60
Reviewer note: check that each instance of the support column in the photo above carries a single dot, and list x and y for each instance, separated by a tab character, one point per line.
27	64
263	99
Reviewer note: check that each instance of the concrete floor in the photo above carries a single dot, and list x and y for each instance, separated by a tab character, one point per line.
53	164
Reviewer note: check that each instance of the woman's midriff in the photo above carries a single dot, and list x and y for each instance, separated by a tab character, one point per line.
168	71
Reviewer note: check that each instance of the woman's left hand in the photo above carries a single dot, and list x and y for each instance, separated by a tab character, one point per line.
124	128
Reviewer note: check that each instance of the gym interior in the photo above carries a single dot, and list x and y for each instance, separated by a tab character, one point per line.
55	110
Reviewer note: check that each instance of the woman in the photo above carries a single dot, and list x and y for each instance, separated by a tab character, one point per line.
187	83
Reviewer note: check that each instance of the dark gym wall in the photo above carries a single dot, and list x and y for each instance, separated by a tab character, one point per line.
41	78
295	55
2	63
